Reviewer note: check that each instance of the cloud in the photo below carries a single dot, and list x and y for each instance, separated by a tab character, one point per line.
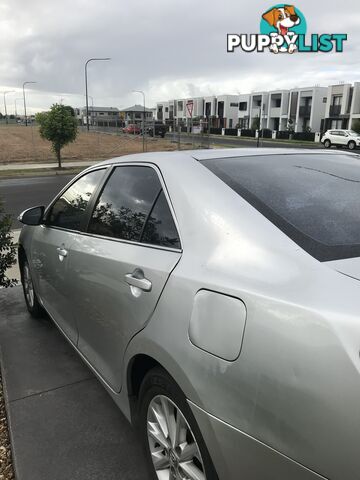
167	48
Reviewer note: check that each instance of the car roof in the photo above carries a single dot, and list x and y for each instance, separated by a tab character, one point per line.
200	155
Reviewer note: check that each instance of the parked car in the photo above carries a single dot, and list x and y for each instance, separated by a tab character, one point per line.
216	295
159	128
132	128
341	138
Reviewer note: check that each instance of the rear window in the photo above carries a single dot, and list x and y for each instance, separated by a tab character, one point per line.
313	198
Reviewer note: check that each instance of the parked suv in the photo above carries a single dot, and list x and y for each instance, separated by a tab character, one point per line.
341	138
159	128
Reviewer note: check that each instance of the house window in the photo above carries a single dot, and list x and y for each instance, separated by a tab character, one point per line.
243	106
166	109
233	104
180	106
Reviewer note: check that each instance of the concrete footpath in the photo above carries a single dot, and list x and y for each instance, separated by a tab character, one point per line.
45	166
63	425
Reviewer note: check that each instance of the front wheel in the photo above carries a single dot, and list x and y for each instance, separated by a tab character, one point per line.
173	443
327	143
351	145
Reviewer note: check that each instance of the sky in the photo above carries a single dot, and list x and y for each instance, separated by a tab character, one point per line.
167	48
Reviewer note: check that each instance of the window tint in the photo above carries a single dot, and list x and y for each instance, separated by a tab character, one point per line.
314	199
68	211
160	228
125	203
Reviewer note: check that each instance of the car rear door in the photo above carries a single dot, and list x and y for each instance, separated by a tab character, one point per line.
120	267
51	245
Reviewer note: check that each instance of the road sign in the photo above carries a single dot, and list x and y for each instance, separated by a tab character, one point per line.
190	107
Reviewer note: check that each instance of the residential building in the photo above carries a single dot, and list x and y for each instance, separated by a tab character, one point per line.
307	108
99	116
338	106
258	109
244	111
277	110
135	115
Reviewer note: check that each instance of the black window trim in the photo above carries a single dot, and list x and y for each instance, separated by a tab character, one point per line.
132	242
69	185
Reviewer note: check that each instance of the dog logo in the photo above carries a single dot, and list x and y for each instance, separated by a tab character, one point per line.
283	30
282	19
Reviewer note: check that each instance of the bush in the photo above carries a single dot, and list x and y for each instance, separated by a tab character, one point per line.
7	249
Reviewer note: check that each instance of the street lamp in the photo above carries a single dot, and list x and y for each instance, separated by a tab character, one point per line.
86	86
144	133
6	116
25	83
16	99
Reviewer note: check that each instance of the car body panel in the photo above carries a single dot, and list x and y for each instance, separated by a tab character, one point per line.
97	272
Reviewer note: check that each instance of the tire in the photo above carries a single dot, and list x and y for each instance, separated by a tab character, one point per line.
327	143
159	391
31	299
351	145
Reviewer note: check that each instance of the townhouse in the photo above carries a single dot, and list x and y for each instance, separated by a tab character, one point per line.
302	109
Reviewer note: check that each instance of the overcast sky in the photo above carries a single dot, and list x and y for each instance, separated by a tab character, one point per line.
168	48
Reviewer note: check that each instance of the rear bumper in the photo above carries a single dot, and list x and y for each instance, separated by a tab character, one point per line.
237	455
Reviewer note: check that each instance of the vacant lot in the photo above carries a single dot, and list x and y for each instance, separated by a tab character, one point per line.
23	144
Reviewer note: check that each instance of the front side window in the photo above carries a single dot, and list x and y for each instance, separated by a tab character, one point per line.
125	203
69	209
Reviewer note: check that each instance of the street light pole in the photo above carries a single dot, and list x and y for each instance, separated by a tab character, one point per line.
25	83
144	132
6	115
86	86
16	99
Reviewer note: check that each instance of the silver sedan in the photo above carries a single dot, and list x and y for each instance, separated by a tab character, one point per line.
216	296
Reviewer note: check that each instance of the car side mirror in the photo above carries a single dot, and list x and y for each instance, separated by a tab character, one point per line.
32	216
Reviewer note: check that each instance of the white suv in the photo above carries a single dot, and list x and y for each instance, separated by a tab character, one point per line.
340	138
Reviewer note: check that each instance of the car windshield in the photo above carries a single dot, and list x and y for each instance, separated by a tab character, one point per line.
313	198
353	133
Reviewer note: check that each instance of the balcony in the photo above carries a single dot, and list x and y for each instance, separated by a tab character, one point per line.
305	111
335	110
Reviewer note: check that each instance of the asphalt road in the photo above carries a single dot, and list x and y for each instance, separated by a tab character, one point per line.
17	194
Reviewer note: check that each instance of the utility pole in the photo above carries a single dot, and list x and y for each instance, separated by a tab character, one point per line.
25	83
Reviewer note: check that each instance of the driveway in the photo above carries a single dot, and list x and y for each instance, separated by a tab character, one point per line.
63	425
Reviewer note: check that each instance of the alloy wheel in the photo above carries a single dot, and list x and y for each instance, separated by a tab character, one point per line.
173	448
28	286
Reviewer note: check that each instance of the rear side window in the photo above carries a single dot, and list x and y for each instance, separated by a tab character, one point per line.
132	206
69	209
314	199
160	228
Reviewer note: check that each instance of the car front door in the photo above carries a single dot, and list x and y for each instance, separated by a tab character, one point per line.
51	245
120	267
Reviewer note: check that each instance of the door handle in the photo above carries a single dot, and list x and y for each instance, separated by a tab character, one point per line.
62	252
137	279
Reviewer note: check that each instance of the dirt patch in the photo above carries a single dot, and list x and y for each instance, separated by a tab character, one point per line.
6	468
24	144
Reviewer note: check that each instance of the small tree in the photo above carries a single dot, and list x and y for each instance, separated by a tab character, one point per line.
7	249
58	126
255	125
356	125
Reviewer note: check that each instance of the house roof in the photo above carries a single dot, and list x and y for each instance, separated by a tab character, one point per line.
136	108
102	109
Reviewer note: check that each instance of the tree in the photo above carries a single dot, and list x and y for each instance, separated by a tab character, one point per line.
7	249
58	126
256	123
356	125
